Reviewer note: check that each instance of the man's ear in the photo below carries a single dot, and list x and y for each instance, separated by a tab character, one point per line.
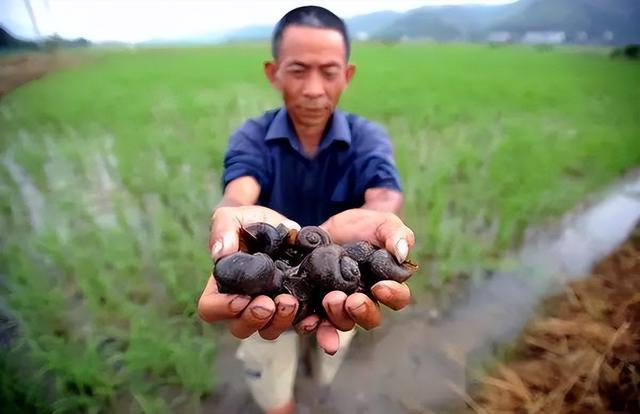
351	71
270	70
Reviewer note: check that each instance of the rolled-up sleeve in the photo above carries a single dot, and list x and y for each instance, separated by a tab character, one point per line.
375	160
245	156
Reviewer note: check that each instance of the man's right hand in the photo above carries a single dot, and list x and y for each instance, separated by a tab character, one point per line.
269	317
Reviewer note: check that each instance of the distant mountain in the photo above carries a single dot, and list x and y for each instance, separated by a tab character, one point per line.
583	19
445	22
206	38
258	32
8	41
357	25
595	21
421	23
593	17
370	23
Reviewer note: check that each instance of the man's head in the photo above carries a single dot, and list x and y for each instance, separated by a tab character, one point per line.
310	65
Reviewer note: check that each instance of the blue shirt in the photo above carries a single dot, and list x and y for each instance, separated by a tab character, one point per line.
355	154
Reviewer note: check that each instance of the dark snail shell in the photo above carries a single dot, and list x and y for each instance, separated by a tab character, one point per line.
249	274
382	265
288	236
329	268
311	237
359	251
261	237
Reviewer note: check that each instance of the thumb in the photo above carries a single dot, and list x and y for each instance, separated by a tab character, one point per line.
225	245
223	239
399	247
397	239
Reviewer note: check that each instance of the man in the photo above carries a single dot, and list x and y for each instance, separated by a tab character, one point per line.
306	163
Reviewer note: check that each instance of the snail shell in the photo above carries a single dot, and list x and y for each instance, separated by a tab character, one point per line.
248	274
312	237
329	268
261	237
384	266
359	251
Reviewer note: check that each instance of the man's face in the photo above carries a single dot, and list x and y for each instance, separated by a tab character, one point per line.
311	72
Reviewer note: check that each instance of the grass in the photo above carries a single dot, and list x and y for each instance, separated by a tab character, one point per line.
109	172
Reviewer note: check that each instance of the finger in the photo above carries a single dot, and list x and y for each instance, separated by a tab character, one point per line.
286	306
396	238
253	318
223	238
308	324
363	311
333	304
327	337
214	306
392	294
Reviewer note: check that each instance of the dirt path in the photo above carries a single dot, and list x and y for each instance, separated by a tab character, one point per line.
18	69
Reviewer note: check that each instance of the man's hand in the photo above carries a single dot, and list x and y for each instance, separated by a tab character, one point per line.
381	229
269	317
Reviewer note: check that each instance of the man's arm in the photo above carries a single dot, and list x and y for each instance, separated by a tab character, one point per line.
243	191
383	199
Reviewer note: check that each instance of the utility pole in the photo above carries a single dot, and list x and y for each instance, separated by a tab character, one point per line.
50	16
27	3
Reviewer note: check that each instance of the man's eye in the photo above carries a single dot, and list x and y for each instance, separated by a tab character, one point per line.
330	75
297	72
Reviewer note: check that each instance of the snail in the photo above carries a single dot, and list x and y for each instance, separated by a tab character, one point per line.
306	264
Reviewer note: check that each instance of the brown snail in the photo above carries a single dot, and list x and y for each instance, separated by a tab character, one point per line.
305	264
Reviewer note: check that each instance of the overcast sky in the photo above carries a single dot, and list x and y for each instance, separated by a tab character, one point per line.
139	20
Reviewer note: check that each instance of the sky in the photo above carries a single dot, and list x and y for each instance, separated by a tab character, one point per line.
141	20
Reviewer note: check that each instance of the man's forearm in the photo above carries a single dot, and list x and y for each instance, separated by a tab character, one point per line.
243	191
383	199
230	202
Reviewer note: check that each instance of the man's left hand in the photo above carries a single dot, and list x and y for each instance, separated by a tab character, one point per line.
344	312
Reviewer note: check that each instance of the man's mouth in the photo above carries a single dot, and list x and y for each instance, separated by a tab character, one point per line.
313	108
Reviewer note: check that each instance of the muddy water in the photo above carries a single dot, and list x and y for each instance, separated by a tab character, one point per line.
417	364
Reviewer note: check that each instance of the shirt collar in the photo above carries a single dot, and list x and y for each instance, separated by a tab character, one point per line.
282	128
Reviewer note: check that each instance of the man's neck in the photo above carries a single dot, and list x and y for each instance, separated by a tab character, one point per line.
310	137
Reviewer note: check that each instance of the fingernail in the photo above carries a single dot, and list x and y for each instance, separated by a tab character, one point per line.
228	239
239	303
382	293
216	249
402	250
260	312
358	308
285	310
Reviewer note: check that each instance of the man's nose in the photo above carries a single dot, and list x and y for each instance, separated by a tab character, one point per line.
313	87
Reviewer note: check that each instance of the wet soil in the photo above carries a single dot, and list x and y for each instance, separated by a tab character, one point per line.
581	353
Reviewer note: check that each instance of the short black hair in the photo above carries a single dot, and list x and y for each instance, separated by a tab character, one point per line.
309	16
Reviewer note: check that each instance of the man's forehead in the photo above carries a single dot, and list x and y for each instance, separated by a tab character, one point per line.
300	42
